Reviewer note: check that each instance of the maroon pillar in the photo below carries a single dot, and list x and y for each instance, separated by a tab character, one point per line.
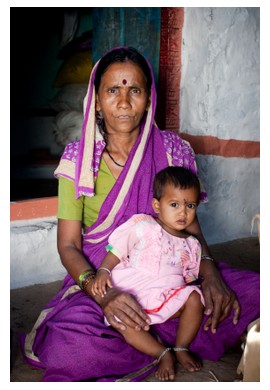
168	103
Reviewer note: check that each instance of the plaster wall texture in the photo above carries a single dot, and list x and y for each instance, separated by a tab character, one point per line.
33	253
233	186
220	97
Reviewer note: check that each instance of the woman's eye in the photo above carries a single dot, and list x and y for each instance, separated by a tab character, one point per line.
135	90
112	90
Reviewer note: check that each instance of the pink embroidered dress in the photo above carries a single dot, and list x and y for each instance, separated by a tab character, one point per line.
155	266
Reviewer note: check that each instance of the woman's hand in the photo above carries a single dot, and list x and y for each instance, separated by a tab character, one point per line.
121	309
219	299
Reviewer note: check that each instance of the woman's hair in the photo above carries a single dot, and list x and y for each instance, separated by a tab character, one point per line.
179	177
122	54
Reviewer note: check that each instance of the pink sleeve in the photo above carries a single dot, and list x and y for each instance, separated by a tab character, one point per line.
124	238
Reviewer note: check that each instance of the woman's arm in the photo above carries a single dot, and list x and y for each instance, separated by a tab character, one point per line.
115	303
69	244
219	299
195	230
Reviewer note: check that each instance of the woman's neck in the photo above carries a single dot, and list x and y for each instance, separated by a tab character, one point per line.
121	144
116	153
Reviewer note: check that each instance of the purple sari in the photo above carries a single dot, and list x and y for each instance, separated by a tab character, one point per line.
70	340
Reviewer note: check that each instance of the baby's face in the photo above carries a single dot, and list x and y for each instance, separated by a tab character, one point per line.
176	209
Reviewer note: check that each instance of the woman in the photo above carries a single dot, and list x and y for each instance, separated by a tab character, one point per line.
104	179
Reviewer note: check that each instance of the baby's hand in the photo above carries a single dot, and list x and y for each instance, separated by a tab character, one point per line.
101	282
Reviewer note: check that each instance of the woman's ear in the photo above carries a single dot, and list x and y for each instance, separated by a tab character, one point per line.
155	205
148	103
98	108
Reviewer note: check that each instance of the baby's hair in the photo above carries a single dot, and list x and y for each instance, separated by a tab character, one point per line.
179	177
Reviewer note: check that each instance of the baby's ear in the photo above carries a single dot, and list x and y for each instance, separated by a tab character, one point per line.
155	205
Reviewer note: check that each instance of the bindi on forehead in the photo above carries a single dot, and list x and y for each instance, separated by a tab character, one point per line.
124	81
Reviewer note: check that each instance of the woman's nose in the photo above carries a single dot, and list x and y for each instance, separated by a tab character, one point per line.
124	100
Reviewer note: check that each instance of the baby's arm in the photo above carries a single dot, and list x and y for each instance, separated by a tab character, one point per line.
103	280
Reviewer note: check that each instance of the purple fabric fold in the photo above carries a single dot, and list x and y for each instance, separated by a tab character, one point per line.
74	344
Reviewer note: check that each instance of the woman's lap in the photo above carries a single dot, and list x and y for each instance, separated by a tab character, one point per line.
72	348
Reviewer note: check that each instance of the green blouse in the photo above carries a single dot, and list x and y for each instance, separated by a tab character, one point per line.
84	209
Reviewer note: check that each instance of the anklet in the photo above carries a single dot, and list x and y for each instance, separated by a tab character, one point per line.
163	354
178	349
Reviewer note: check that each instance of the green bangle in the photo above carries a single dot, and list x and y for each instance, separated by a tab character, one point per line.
83	276
86	281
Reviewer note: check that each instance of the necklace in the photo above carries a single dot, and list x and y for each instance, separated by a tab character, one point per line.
111	157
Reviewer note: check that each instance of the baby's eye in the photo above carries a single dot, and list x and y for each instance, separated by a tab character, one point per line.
191	206
174	204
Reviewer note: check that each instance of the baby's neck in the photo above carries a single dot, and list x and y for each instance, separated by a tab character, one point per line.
173	232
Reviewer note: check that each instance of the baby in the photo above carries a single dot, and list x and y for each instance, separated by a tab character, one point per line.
156	260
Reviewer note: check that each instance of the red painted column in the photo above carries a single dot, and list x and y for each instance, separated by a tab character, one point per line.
168	104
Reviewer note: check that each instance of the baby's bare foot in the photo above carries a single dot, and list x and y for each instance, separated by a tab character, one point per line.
165	371
189	362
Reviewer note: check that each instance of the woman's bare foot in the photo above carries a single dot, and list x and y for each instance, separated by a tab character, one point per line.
165	371
189	362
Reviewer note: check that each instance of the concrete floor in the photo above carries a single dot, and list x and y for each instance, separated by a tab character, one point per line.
26	304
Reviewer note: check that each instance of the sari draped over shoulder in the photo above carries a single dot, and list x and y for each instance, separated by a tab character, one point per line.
70	339
132	192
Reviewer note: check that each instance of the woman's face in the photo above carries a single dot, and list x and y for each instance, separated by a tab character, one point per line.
122	97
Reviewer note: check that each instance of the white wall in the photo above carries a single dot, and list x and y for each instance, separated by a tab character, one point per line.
220	97
33	253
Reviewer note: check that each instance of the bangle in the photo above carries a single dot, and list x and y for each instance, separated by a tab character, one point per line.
86	281
104	269
206	257
83	276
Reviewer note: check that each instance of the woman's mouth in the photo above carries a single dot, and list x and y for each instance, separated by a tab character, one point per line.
123	117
